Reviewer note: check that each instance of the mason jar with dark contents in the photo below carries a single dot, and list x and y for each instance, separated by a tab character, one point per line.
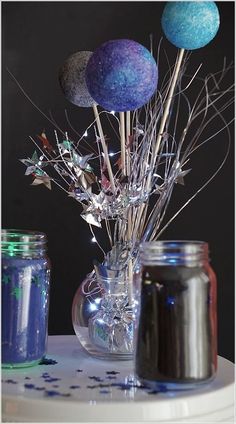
176	342
25	297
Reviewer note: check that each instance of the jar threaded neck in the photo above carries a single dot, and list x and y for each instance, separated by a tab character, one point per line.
23	243
174	252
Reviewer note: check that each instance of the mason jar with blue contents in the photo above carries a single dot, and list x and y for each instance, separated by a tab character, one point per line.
176	339
25	297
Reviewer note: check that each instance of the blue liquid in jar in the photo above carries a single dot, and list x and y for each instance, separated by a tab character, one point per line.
25	301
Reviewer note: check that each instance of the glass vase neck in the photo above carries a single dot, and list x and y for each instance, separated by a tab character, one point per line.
114	285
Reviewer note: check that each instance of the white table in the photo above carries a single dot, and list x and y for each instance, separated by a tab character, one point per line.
82	389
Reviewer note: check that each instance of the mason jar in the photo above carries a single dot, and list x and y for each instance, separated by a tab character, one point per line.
25	297
176	340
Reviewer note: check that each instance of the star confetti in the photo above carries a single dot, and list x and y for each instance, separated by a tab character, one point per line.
6	279
36	280
46	145
17	292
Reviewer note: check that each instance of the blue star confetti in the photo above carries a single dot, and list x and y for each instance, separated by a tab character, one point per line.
45	375
48	361
29	386
51	379
9	381
111	377
51	393
96	378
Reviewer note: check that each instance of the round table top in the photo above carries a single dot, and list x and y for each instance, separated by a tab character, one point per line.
79	388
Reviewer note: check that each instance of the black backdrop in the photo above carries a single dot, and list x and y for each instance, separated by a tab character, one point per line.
37	37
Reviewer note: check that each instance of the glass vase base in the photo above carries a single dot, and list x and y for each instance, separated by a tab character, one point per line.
22	365
106	356
97	353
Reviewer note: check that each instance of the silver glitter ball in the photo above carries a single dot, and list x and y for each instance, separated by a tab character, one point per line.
72	79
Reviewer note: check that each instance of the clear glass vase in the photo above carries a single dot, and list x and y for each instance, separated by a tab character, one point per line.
103	315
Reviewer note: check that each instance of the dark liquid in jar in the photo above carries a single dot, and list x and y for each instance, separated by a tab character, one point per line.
177	325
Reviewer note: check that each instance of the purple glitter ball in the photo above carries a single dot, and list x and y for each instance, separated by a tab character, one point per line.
121	75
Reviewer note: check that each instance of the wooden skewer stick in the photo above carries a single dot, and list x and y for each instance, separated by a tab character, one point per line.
130	282
162	126
129	223
130	263
168	101
165	114
122	142
104	148
128	141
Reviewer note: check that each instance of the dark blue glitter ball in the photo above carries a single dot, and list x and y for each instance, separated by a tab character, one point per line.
121	75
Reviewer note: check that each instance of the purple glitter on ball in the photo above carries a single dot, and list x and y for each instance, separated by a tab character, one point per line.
121	75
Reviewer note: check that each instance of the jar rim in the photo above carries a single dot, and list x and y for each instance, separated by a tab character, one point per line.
173	242
182	245
23	243
20	237
174	251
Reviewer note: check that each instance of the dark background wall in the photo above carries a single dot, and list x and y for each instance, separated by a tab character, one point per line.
37	37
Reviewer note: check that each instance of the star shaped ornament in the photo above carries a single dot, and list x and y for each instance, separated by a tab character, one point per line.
46	145
79	195
180	177
30	163
82	161
65	146
34	165
92	219
45	180
86	179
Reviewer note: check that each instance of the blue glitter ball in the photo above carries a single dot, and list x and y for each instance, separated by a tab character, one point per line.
190	24
121	75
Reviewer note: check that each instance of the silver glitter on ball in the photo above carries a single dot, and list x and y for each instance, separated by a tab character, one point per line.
72	79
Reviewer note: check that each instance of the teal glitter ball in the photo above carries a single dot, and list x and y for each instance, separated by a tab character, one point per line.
190	25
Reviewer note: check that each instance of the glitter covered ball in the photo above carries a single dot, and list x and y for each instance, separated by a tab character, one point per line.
72	79
121	75
190	24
